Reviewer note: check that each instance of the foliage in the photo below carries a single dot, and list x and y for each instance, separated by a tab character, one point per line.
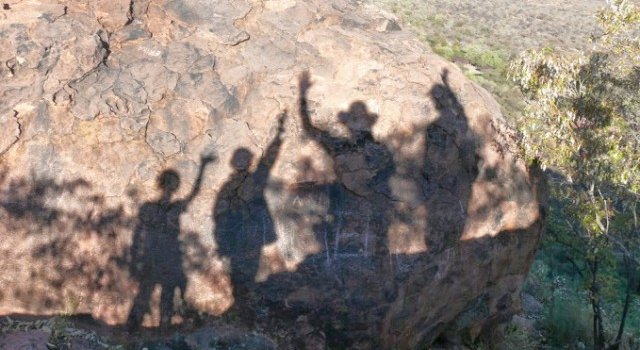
558	285
478	55
567	322
513	338
516	338
582	124
583	110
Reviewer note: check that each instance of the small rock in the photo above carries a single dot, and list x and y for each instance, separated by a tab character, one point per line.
204	339
525	324
28	340
531	305
163	142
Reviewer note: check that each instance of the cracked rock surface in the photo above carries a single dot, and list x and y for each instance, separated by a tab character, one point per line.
285	161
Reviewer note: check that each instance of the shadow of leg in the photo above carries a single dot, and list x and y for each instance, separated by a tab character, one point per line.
140	306
166	305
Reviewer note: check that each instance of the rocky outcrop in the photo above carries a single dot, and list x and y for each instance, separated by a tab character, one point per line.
298	163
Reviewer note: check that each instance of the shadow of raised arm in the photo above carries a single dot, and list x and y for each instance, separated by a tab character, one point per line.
271	153
204	161
328	141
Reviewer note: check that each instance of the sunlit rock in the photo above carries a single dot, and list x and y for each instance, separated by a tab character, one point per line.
288	162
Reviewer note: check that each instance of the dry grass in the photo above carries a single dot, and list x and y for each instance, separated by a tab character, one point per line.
482	36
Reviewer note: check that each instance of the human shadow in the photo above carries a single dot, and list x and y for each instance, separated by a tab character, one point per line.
445	176
337	285
352	229
156	252
449	168
444	173
243	222
356	156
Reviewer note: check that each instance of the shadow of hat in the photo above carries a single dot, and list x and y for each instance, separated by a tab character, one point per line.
358	117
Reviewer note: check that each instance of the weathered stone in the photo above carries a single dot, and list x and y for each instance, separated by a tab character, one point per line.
27	340
129	89
293	164
228	338
63	50
267	54
9	131
524	324
163	142
88	99
214	17
180	56
531	306
207	88
136	30
111	14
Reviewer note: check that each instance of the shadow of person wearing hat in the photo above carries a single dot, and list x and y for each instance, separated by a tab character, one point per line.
362	166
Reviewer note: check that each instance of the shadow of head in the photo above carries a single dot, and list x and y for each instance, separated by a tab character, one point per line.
168	182
241	159
358	118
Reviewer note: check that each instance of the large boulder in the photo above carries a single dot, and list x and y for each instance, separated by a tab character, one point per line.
286	161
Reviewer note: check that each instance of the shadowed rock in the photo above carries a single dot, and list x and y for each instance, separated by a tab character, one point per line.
391	210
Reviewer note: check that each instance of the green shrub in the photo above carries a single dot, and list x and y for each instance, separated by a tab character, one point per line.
512	337
516	338
567	321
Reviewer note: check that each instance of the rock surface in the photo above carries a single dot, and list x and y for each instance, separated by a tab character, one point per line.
27	340
298	163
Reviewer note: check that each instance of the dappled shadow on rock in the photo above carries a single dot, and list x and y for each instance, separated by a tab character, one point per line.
362	167
446	257
156	252
49	247
243	220
379	214
367	239
69	251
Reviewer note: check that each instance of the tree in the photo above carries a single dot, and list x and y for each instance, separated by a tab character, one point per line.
582	123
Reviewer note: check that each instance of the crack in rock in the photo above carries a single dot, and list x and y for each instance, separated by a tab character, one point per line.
10	131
